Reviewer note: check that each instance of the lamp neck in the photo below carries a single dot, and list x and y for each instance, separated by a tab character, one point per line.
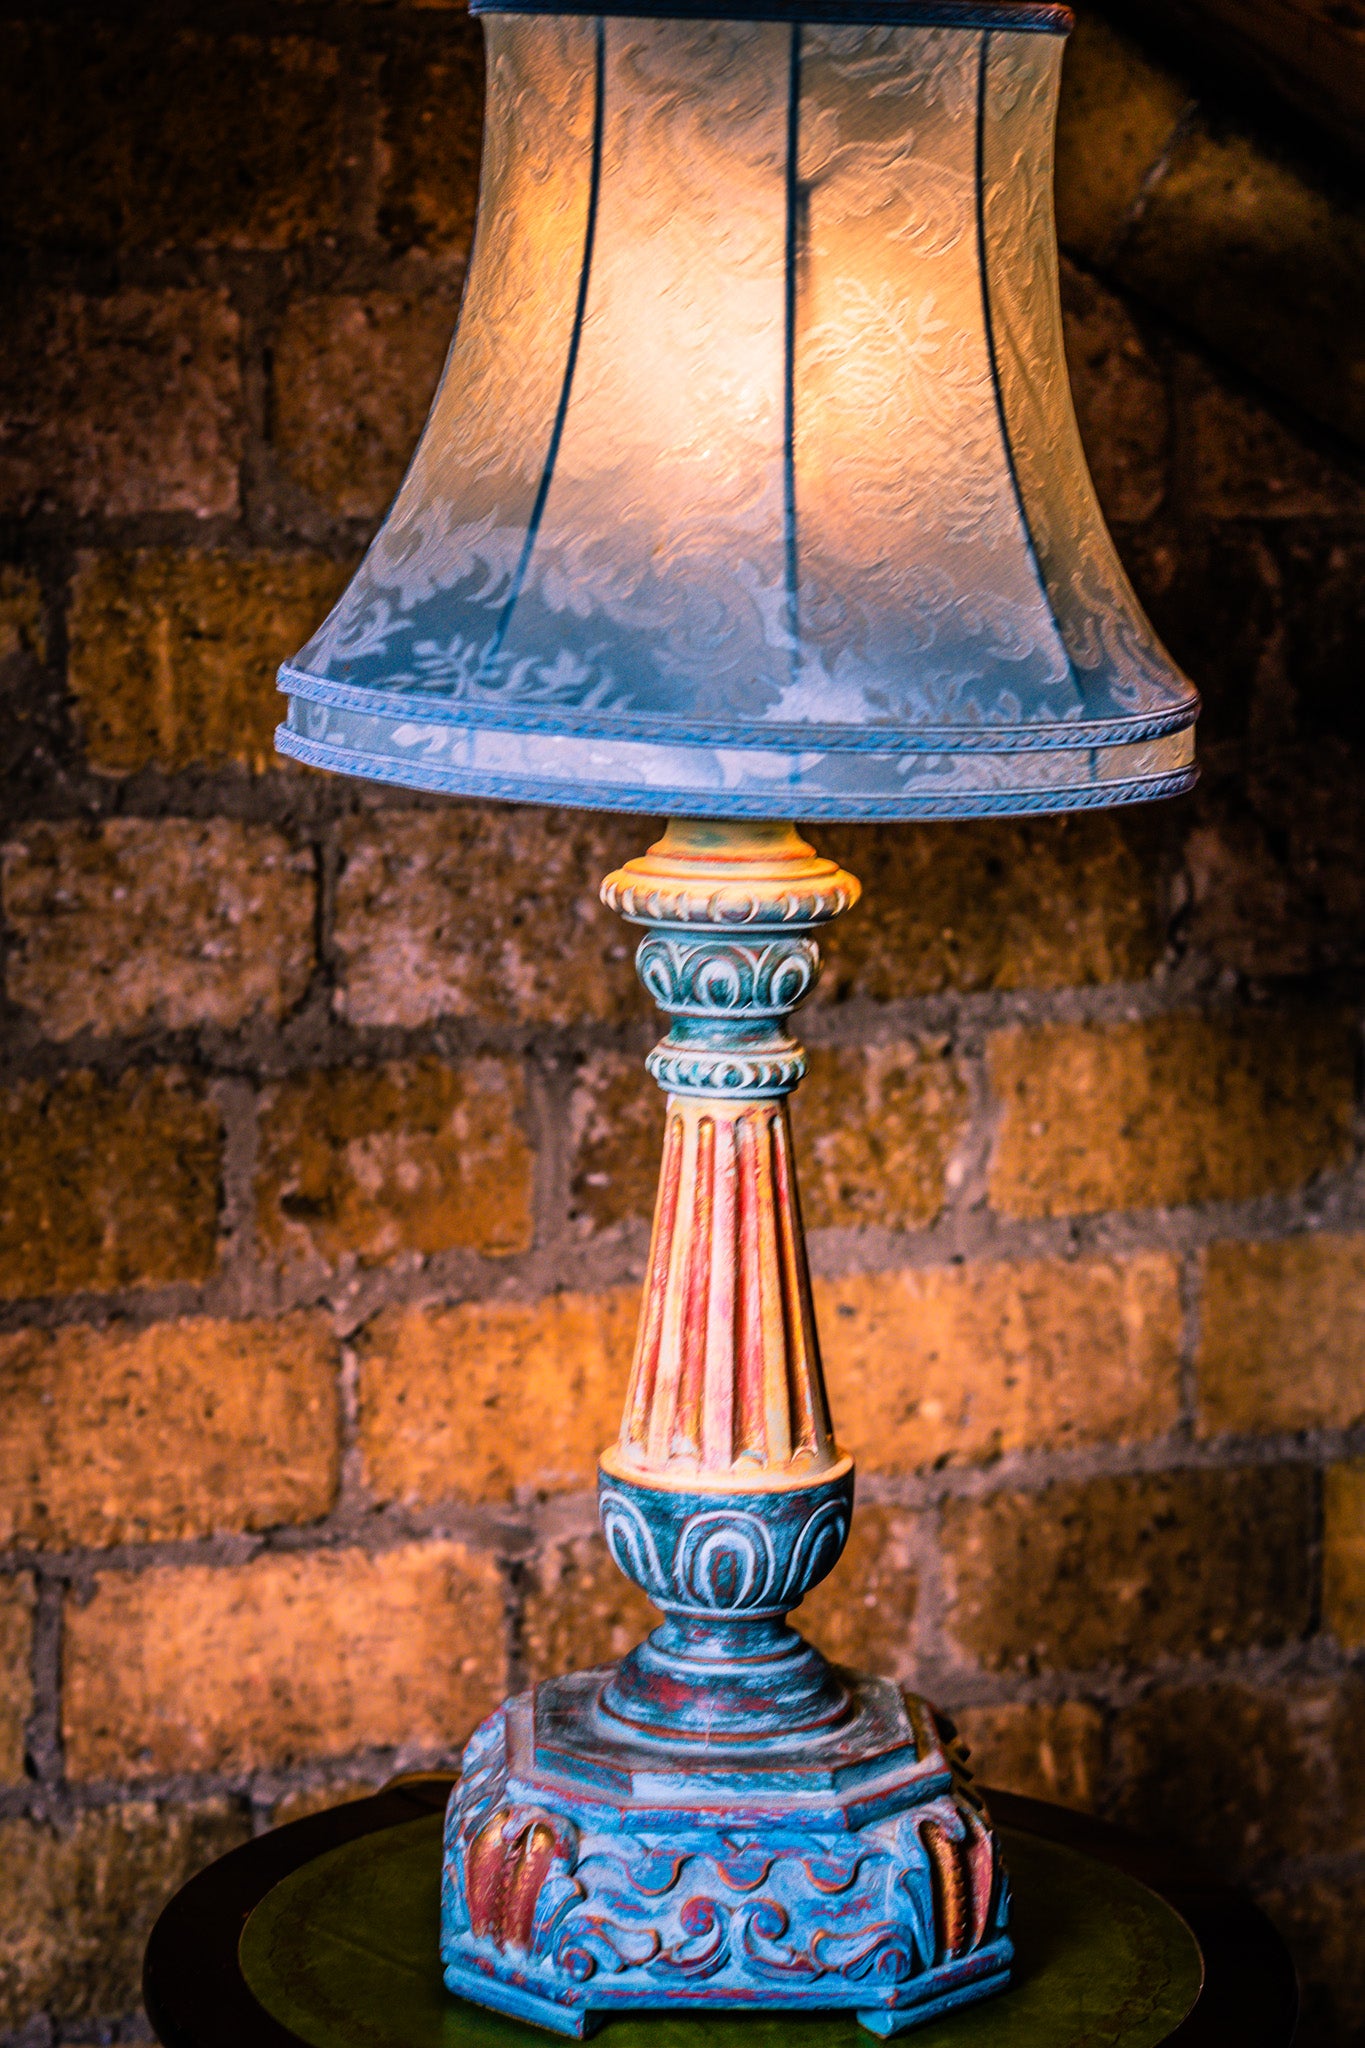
726	1497
726	1389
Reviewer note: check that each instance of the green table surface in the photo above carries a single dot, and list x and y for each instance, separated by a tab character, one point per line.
323	1934
344	1954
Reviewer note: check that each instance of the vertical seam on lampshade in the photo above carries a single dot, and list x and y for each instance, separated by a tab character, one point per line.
571	356
983	264
789	535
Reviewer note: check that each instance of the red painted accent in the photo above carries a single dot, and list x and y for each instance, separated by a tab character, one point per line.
685	1437
722	1347
483	1873
953	1909
645	1368
810	1423
750	1435
777	1439
529	1869
981	1857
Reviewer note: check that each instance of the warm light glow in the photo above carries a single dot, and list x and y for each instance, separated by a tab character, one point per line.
754	483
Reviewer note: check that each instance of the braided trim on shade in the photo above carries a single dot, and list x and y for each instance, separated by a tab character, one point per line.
1040	15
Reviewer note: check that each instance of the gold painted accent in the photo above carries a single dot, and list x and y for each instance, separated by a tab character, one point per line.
768	1479
730	873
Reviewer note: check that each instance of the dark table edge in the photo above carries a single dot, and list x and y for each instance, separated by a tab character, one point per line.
197	1997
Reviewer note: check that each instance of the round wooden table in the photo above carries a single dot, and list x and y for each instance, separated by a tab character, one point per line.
323	1934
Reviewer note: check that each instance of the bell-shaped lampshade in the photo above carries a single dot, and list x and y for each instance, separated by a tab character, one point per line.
753	486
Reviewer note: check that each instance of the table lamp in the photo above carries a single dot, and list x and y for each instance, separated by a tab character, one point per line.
752	492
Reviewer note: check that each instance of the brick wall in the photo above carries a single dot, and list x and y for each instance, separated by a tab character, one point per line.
326	1155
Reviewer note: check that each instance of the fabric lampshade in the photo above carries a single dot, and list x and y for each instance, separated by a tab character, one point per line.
753	487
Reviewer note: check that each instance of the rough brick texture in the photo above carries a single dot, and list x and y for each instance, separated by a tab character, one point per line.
186	1668
122	405
965	1362
1344	1554
1049	1751
615	1124
79	1901
16	1672
431	144
1111	1571
353	380
1236	1769
135	923
118	1436
1284	1335
107	1184
443	913
1028	905
372	1162
1182	1109
166	139
491	1397
173	655
579	1610
876	1129
864	1612
327	1155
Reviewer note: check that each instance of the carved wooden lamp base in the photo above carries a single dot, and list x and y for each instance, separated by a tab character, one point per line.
723	1818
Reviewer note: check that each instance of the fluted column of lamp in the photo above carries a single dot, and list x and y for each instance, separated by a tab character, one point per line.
752	491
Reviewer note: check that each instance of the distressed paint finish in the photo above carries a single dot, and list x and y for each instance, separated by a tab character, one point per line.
726	1387
723	1818
726	1377
581	1877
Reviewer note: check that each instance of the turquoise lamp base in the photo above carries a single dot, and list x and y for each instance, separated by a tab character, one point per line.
723	1819
585	1871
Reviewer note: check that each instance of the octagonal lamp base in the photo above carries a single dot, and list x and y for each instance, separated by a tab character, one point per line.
584	1874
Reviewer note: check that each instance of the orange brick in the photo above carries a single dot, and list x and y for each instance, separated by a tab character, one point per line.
126	1436
354	378
173	654
1295	243
863	1614
1235	1770
1283	1344
616	1123
490	913
1245	463
1121	1571
431	144
138	923
1179	1109
1042	903
1118	115
120	405
107	1184
77	1903
23	636
1050	1751
875	1130
492	1397
16	1673
374	1161
295	1655
1343	1554
579	1610
966	1362
163	136
1121	399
